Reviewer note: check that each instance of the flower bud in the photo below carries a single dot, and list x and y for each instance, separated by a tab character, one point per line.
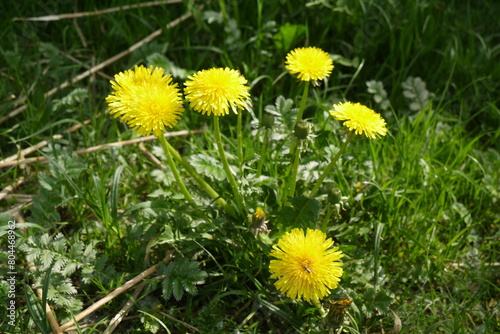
334	194
267	121
301	130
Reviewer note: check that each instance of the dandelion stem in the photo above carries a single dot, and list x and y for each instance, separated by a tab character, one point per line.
330	166
263	152
225	164
329	211
321	310
294	168
201	182
295	149
174	170
239	137
303	101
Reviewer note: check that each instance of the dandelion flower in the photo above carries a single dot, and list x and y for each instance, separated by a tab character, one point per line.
216	91
146	100
307	267
360	119
309	63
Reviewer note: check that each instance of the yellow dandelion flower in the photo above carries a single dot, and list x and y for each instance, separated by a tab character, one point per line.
216	90
360	119
309	63
307	267
146	100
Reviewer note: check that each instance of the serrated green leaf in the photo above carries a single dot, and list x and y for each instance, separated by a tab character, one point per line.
46	257
70	268
208	166
159	60
45	181
183	275
177	289
167	287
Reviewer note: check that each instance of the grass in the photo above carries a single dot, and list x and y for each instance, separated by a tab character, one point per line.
415	212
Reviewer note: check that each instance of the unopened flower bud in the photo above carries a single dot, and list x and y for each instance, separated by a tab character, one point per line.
301	130
267	120
334	194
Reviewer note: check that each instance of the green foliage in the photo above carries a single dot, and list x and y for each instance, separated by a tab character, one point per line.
207	165
303	213
288	35
379	93
414	89
72	101
158	60
53	255
182	276
94	220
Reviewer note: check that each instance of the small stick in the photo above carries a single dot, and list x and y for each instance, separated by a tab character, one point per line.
48	311
5	191
49	314
123	312
100	66
6	163
96	12
114	294
185	324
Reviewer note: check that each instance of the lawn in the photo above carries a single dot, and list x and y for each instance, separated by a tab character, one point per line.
205	167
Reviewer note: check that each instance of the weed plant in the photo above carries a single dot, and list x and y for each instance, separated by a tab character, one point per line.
415	212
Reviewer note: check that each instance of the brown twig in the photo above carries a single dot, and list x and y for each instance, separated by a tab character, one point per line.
50	316
185	324
48	311
102	65
123	312
101	147
151	157
115	293
43	143
96	12
5	191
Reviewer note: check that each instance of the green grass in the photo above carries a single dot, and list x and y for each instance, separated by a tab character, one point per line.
419	213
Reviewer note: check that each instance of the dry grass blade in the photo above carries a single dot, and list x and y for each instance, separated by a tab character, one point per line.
102	65
185	324
48	311
96	12
5	191
115	293
101	147
21	154
123	312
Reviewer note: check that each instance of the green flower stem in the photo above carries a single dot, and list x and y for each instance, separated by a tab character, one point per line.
222	5
201	182
330	166
329	211
294	168
239	136
322	311
303	102
225	164
263	152
295	149
174	170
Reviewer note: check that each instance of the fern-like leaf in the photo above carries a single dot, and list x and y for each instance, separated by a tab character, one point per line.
182	275
209	166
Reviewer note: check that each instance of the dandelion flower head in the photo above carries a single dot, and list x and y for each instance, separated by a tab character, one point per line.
146	100
360	119
307	266
216	90
309	63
